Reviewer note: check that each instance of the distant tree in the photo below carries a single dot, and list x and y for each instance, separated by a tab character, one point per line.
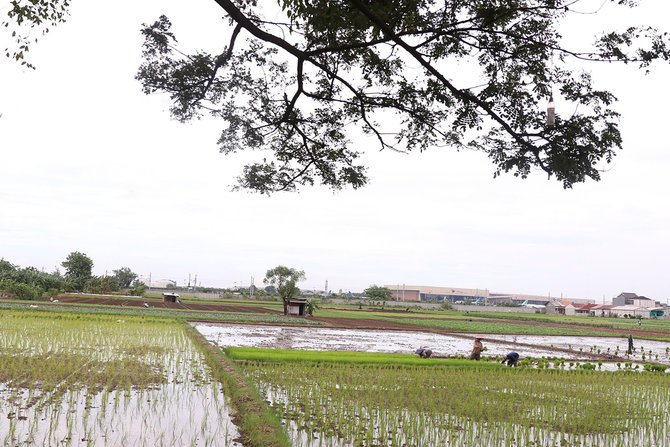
124	276
101	284
312	305
6	269
270	290
378	293
285	280
38	283
19	290
139	289
78	269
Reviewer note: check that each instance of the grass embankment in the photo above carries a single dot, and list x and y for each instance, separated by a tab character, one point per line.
258	424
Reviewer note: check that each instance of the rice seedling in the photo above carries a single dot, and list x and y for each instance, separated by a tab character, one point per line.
394	404
73	379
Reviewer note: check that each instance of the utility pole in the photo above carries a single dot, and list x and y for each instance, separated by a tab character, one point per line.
325	292
251	287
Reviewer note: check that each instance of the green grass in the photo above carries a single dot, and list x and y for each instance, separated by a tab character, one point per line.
512	323
617	323
359	358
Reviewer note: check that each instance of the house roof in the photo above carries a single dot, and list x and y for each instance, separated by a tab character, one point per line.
627	295
585	306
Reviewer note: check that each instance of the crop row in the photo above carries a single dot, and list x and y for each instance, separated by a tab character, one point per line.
70	378
395	405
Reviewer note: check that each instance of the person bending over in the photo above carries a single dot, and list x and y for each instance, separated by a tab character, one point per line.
512	358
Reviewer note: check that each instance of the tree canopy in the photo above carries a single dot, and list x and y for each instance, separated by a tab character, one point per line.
124	276
78	268
285	280
381	293
394	68
413	74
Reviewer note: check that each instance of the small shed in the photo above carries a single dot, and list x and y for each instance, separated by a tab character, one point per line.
170	297
296	306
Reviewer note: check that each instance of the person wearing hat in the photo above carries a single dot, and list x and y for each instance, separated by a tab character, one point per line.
424	352
477	349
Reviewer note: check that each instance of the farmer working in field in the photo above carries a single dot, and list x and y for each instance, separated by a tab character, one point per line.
424	352
477	349
512	358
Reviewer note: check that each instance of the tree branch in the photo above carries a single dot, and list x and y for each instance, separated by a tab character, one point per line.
464	96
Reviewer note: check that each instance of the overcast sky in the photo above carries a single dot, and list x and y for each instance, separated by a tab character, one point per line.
88	163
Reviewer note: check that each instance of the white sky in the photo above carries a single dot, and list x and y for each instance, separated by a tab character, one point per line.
88	163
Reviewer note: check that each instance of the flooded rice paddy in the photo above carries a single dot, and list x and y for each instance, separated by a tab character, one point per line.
103	381
327	339
346	405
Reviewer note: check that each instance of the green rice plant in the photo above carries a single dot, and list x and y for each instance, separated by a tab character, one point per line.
287	355
395	404
97	379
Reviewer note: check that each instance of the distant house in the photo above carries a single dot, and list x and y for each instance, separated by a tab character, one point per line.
585	310
624	299
642	301
631	310
604	310
555	307
570	309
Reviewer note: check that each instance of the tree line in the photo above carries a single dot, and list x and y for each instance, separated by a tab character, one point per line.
31	283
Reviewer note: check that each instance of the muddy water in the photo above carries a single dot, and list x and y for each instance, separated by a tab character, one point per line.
568	347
